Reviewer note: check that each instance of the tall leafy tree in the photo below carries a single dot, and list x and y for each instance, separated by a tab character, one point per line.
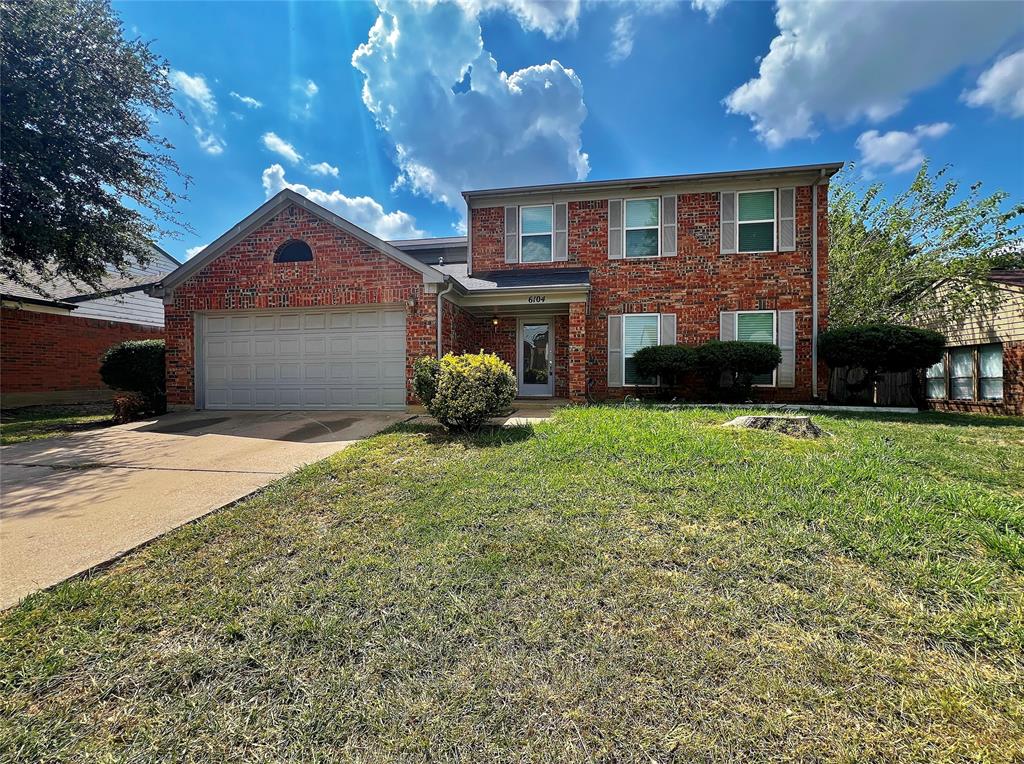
885	256
84	175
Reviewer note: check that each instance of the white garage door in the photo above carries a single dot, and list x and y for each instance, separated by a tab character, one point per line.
316	359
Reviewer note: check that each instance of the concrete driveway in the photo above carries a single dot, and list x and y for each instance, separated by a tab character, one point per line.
71	503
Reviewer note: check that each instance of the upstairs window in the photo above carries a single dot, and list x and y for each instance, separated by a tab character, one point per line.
756	221
642	226
535	234
294	251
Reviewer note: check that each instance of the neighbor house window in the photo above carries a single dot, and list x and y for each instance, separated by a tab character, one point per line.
293	251
936	377
756	221
535	228
961	374
757	326
990	372
973	370
638	331
643	221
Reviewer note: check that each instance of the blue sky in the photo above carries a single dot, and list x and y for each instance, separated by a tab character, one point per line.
385	112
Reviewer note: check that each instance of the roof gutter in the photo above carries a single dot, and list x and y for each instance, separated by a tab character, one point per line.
814	283
441	293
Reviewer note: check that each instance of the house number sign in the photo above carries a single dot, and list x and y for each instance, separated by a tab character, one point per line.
536	298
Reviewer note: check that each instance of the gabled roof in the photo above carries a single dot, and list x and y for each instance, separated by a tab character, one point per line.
275	204
1009	277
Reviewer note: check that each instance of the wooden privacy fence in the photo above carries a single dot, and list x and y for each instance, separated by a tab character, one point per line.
892	388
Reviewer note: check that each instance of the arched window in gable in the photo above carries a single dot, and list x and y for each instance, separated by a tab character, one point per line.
294	251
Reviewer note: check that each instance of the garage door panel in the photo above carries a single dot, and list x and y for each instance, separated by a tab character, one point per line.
310	359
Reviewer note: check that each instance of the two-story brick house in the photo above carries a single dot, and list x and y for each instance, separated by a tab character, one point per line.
295	307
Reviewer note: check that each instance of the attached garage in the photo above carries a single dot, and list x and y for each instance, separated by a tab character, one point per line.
297	308
315	359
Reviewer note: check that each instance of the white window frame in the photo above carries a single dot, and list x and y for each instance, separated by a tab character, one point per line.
944	378
550	233
657	228
978	378
774	221
775	334
626	316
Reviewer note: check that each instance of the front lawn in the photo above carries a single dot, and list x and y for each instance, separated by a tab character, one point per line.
52	421
619	584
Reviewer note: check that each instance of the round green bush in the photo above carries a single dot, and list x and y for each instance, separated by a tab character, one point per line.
464	391
881	347
137	366
734	363
665	361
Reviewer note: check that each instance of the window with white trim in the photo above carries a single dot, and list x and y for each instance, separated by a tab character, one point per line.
990	372
755	221
639	330
536	233
757	326
961	374
642	227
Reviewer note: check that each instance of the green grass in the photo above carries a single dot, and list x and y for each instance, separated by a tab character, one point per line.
618	584
37	422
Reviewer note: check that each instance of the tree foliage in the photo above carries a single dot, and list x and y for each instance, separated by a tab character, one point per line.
881	347
84	175
885	256
137	366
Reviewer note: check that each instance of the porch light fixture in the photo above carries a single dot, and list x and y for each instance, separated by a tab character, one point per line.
494	320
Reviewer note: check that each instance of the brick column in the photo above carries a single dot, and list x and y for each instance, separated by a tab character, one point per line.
577	352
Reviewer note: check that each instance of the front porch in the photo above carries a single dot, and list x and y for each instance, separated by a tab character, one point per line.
537	328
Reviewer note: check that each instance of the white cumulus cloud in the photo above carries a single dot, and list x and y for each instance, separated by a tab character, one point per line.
848	61
201	108
505	129
193	251
553	19
249	101
897	150
323	168
273	142
365	211
1001	87
195	89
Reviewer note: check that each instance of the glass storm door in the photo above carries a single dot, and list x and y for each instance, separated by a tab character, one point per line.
536	362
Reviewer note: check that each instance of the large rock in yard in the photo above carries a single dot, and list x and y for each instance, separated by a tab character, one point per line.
794	426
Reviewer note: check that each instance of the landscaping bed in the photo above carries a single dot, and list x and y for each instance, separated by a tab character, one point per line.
621	583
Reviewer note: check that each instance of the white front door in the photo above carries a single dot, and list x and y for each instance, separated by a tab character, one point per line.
536	358
347	358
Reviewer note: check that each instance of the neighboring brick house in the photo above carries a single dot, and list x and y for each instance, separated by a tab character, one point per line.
297	308
53	332
983	367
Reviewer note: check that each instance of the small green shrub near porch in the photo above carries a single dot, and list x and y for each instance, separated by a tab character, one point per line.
464	391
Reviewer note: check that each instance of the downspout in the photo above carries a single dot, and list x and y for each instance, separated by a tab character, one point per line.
814	284
440	295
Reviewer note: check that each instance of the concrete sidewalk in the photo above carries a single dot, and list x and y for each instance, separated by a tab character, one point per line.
71	503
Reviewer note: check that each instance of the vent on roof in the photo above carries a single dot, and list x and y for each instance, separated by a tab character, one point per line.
293	251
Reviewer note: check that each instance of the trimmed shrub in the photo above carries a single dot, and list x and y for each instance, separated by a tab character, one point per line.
424	378
732	364
881	347
464	391
669	362
137	366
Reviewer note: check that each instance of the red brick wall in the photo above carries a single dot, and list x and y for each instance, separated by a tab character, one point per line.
344	271
695	285
50	352
1013	388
